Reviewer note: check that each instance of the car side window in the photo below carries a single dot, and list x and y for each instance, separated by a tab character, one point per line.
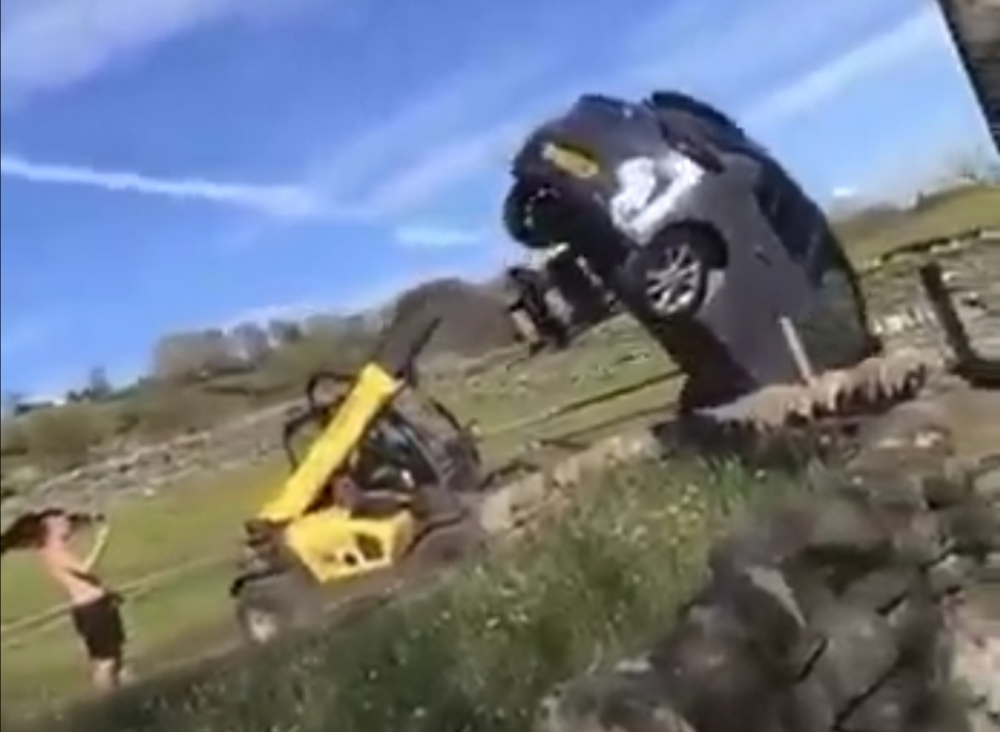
691	116
779	198
787	208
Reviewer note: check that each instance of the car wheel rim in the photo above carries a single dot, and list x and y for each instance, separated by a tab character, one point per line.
673	282
262	626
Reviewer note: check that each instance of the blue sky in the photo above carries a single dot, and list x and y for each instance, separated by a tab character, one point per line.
169	164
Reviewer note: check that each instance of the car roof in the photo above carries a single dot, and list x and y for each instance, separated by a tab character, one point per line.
681	102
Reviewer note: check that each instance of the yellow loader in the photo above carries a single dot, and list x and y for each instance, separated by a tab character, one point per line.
387	481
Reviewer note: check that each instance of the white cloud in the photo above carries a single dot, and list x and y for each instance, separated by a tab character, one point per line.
424	236
444	167
675	20
427	143
916	34
749	41
50	44
437	139
276	200
263	314
365	295
47	44
421	147
23	335
754	51
383	292
423	126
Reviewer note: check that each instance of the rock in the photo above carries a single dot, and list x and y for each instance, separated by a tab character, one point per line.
988	486
867	606
622	702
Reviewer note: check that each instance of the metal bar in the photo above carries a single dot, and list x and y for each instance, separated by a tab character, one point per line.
802	363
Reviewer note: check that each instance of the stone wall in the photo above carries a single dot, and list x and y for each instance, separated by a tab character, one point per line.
902	314
870	605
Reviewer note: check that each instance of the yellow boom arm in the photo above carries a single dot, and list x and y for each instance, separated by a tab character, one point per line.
372	389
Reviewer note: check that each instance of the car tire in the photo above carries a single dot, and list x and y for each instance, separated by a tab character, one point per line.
668	278
268	607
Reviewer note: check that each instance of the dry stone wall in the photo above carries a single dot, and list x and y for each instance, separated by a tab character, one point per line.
870	605
970	267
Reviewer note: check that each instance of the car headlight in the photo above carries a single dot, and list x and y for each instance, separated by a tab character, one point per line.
648	189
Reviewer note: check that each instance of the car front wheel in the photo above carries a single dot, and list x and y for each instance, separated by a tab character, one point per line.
670	275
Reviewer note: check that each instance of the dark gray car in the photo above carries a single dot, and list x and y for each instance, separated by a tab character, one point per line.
699	232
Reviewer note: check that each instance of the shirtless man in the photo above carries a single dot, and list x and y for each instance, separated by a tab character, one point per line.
93	607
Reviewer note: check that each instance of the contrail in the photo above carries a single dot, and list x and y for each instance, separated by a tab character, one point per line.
283	200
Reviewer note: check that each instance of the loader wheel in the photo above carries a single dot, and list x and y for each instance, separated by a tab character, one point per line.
270	606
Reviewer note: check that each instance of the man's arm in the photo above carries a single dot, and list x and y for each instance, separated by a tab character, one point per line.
97	550
63	560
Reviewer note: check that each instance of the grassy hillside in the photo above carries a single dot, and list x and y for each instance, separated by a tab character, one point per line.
872	234
480	650
173	551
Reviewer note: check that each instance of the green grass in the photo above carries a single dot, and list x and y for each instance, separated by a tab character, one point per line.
939	215
179	524
163	631
201	518
477	652
183	524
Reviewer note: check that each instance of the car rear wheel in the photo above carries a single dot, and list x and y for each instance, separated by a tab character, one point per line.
670	275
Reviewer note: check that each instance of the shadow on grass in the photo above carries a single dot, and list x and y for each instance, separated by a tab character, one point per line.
478	652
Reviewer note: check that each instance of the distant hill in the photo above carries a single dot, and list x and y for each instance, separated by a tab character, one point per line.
861	222
474	316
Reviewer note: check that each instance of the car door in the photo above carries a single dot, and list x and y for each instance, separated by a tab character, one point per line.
791	214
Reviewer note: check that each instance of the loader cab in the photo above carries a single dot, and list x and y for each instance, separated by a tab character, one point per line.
393	458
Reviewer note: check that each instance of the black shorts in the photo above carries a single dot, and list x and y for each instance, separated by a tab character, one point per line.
99	624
